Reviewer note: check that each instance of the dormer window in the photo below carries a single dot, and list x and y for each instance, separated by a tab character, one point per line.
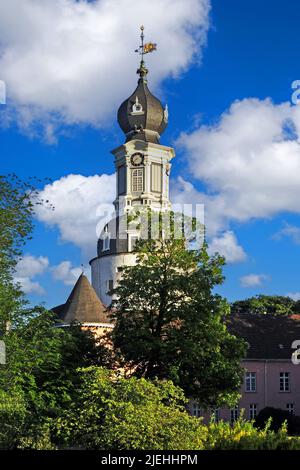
137	108
106	239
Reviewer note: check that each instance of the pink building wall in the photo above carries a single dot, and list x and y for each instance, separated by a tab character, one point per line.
267	388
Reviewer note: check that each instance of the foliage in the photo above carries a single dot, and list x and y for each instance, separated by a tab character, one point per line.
17	202
169	324
278	417
265	305
112	412
42	363
242	435
12	416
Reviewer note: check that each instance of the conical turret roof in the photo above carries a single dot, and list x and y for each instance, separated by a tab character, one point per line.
83	305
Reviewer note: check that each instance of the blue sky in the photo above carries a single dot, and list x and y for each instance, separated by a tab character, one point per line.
249	53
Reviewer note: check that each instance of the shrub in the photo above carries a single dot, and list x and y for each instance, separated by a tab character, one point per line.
117	413
278	417
242	435
12	417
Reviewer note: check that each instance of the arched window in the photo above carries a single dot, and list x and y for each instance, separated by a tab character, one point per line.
106	239
137	180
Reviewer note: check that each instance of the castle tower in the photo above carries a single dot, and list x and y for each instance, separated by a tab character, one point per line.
143	169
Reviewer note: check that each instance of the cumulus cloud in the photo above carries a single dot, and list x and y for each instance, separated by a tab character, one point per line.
27	269
66	273
73	60
227	245
254	280
81	205
249	162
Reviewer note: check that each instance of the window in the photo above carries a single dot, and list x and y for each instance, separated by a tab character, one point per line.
106	243
252	411
216	415
106	239
109	285
284	382
250	382
196	410
234	414
137	180
290	408
156	178
121	180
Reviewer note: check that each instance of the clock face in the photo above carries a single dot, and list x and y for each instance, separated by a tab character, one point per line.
137	159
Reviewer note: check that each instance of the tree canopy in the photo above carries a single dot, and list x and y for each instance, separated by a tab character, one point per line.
266	305
169	324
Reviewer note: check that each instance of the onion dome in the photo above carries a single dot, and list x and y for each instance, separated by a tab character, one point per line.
142	116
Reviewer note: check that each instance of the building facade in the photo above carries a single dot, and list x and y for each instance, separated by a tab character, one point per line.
271	377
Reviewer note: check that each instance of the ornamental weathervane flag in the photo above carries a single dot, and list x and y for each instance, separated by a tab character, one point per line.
145	48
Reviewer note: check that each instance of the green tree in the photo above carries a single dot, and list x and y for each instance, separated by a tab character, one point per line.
17	202
265	305
169	324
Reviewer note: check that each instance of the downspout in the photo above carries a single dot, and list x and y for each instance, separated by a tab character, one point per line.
265	383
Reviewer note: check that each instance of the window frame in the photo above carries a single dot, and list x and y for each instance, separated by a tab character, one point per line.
284	382
234	414
252	411
290	407
137	180
250	379
106	239
215	415
196	410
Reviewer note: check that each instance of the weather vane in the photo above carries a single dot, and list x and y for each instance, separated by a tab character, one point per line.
144	48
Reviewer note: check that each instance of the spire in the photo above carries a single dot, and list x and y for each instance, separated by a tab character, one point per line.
142	116
143	49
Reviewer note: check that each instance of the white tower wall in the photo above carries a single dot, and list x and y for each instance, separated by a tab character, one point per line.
106	269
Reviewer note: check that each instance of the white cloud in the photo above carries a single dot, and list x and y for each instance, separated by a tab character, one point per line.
29	287
66	273
290	231
254	280
74	60
227	245
28	268
81	204
249	162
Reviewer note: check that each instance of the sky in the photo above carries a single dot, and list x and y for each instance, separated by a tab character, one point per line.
225	69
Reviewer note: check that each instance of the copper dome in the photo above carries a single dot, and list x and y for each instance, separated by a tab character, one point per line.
142	116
